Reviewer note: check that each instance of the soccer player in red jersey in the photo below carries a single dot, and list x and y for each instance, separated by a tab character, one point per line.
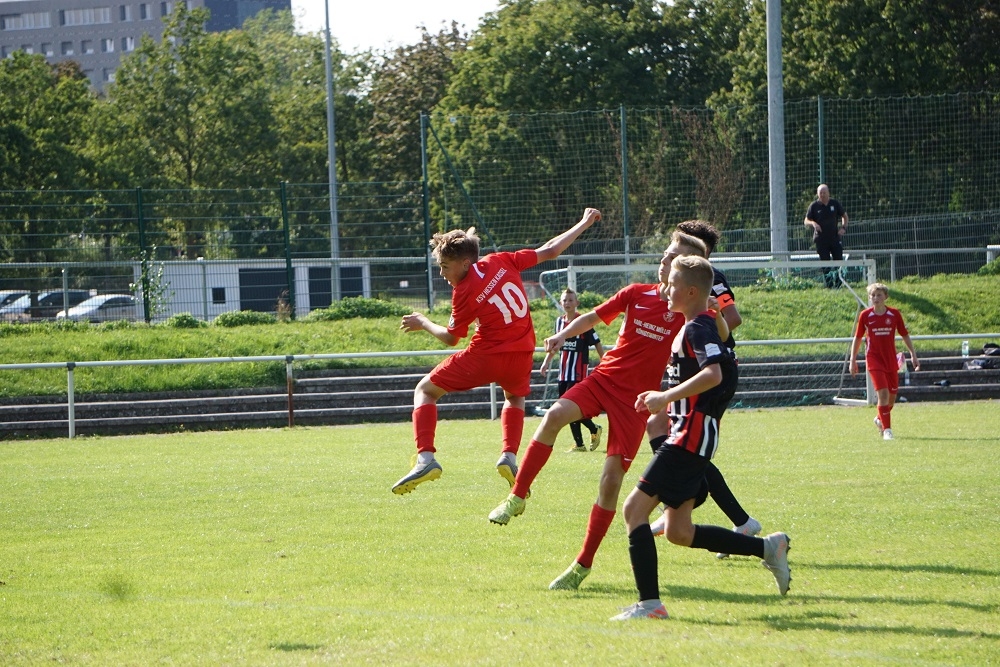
634	365
702	380
488	291
879	324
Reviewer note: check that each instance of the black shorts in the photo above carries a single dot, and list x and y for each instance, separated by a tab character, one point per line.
675	475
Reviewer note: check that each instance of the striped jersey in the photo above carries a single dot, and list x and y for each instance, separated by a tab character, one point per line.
574	359
695	419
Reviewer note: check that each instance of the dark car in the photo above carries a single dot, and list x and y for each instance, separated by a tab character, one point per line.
49	303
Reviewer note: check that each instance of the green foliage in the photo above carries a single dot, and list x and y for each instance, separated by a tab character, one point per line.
940	305
768	281
242	318
589	300
257	572
184	321
152	283
541	303
358	307
991	269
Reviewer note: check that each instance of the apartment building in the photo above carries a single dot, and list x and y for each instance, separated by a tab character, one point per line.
97	33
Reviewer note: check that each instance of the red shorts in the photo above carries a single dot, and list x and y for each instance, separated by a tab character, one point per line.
885	380
464	370
626	427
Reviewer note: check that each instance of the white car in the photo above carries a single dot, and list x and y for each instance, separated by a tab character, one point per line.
9	296
103	308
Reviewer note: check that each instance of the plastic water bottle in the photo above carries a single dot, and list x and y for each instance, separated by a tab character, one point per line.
965	348
906	376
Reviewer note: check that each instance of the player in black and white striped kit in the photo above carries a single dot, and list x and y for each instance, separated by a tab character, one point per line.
574	364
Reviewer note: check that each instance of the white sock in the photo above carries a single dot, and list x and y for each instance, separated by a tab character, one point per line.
507	457
425	457
651	604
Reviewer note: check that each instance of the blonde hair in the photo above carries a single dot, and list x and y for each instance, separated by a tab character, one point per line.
692	242
456	244
694	271
874	287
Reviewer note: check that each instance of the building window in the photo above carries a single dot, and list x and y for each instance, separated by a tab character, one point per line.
124	12
166	8
47	49
87	47
107	45
109	74
219	295
89	16
128	44
28	48
27	21
5	52
66	48
144	12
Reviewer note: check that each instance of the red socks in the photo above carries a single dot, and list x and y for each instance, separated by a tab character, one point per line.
597	528
534	459
883	415
511	428
425	420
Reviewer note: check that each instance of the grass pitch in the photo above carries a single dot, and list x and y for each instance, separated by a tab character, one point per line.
286	547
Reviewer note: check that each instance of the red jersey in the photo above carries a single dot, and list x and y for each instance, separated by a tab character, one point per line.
880	338
642	351
493	294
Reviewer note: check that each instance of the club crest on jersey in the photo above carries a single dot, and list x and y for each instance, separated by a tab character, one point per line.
451	322
669	316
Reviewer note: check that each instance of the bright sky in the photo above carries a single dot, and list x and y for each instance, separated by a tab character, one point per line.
380	24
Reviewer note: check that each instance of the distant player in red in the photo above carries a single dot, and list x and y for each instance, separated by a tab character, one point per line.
488	292
574	365
634	365
879	325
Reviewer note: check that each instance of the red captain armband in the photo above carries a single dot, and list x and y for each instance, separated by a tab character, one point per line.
725	300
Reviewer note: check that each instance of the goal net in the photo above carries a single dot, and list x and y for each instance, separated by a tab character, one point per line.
776	369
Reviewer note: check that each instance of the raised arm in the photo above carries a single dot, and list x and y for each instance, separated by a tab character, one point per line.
556	246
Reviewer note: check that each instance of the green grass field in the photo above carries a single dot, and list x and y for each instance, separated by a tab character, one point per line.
286	547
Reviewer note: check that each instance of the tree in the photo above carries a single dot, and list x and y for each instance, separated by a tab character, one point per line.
191	112
44	112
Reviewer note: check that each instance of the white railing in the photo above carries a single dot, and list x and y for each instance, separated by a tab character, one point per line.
290	359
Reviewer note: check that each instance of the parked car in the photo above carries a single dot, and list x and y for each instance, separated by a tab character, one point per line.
7	296
49	303
103	308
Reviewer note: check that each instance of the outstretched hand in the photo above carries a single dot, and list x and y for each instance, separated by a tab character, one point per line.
412	322
553	343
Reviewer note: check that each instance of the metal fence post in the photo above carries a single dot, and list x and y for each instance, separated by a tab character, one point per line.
290	380
71	398
143	257
289	269
624	152
819	137
426	210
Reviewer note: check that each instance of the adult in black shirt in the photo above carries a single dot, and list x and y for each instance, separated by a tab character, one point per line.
828	220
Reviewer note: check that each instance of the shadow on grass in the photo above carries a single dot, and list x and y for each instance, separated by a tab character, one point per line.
890	567
708	595
294	646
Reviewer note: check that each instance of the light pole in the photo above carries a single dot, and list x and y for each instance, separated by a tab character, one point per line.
332	158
